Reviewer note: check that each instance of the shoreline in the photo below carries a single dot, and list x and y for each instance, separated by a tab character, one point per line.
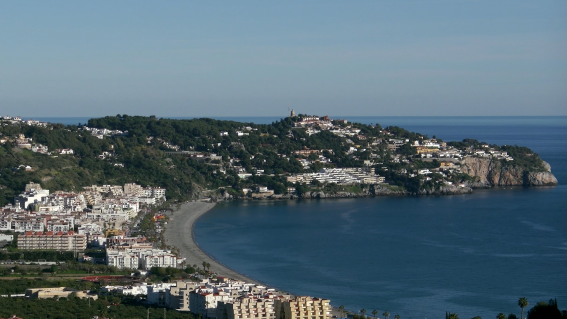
179	233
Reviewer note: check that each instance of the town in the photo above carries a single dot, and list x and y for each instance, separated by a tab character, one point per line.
101	217
113	233
369	155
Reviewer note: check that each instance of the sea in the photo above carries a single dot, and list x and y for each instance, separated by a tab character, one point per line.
419	257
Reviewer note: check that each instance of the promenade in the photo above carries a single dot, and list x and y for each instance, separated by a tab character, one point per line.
179	233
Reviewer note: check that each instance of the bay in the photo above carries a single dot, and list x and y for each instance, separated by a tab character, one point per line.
414	256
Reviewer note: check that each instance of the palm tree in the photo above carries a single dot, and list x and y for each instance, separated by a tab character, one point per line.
522	302
386	314
501	316
374	313
363	312
397	317
342	309
451	316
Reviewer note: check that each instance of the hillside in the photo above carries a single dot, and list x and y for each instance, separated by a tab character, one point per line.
188	157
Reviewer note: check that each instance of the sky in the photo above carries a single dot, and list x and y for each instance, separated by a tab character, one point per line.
260	58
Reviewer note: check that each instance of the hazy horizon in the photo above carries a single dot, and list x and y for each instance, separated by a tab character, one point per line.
365	58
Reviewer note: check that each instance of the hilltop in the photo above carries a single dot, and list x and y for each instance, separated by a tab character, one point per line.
297	156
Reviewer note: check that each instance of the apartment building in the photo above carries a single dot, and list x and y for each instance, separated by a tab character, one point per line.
177	297
157	293
122	259
204	302
31	197
246	308
144	258
157	258
60	241
303	308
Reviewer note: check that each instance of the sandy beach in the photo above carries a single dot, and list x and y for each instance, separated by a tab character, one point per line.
179	233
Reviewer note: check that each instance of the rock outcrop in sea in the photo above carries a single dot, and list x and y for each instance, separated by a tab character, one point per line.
490	172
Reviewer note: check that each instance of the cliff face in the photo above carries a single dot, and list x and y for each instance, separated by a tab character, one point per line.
491	173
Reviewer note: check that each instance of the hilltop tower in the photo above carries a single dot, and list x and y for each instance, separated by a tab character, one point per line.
292	113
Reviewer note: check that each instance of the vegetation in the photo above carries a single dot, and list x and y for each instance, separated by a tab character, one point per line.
46	255
547	310
73	307
69	268
144	154
523	303
19	286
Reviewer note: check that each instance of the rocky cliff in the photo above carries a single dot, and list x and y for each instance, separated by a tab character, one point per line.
491	172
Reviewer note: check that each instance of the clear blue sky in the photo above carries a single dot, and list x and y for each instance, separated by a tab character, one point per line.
254	58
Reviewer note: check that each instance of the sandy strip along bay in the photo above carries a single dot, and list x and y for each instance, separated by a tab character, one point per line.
179	233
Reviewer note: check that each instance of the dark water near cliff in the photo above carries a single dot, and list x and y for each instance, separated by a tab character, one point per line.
413	256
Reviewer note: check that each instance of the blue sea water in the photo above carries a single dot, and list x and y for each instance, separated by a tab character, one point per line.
414	256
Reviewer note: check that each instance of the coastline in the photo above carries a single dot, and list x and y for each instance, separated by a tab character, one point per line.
179	232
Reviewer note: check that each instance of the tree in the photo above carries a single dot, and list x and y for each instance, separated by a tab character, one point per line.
544	310
386	314
342	309
301	189
501	316
522	302
374	313
363	312
512	316
477	317
449	315
397	317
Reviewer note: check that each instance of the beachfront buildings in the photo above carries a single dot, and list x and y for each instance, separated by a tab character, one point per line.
224	298
340	176
246	308
140	258
122	259
204	301
303	308
178	296
60	241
